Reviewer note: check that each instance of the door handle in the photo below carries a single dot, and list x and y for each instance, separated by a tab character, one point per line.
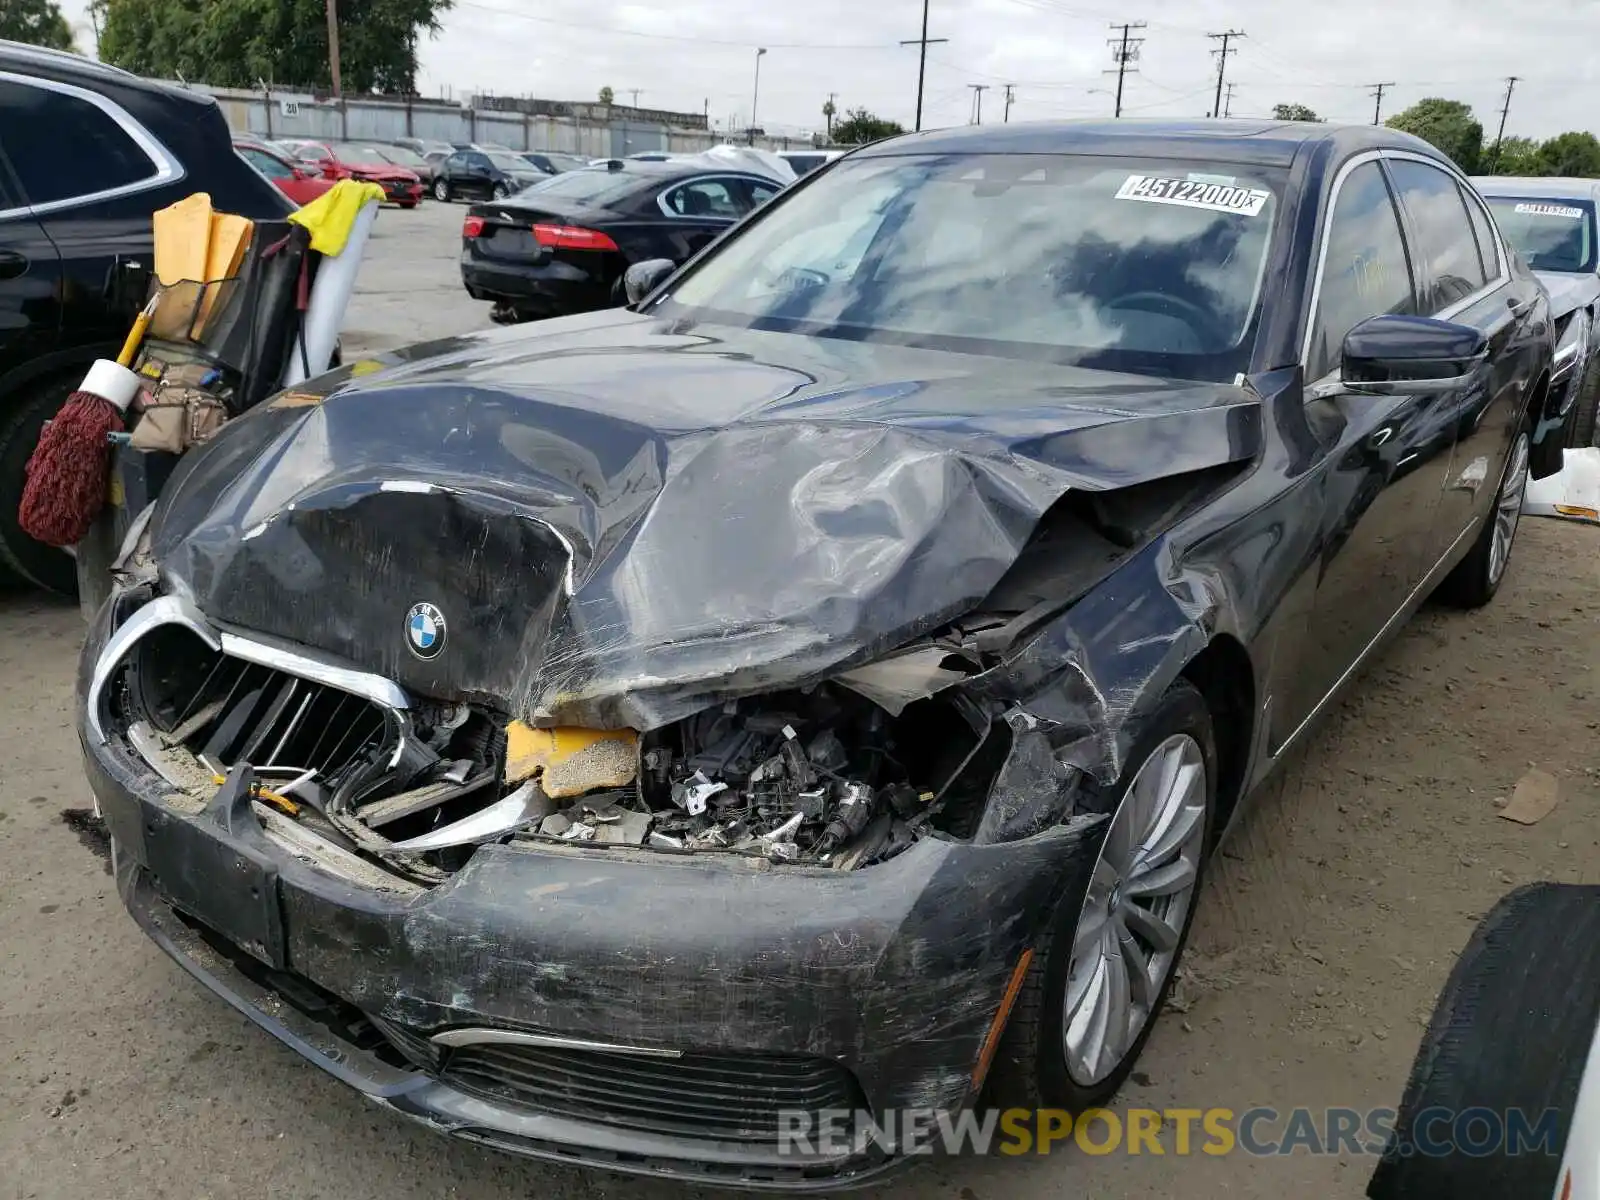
1518	309
12	265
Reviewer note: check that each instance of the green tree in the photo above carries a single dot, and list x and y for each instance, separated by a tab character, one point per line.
234	43
607	96
828	111
859	127
1293	112
1514	156
1571	154
37	22
1446	124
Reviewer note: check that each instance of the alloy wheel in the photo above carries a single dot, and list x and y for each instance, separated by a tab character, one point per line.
1508	508
1133	917
441	191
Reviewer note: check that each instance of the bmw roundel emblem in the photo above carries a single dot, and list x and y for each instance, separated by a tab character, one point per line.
425	630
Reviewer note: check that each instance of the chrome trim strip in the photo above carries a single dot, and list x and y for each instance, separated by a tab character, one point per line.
164	610
512	1037
166	167
521	806
358	683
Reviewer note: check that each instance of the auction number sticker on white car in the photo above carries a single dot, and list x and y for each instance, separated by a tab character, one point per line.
1550	210
1195	193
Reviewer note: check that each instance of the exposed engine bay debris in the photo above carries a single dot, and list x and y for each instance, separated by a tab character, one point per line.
821	776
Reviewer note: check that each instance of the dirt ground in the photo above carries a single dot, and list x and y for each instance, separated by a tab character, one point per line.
1329	923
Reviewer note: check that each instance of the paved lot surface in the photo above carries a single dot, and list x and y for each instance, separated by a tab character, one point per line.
1328	925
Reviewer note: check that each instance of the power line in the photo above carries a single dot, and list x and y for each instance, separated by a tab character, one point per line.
1010	88
1222	61
978	89
922	43
1124	50
591	27
1377	100
1505	109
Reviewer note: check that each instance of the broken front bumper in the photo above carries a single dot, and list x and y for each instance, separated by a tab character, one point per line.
623	1009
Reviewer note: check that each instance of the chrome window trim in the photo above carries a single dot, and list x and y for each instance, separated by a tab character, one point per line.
667	211
1345	171
167	169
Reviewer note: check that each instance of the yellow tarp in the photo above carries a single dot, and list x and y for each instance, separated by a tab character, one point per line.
331	215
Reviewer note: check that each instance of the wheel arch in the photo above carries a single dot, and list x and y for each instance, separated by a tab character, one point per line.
1225	677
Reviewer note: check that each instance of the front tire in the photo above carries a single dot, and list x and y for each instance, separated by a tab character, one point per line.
500	191
1102	970
441	190
1478	576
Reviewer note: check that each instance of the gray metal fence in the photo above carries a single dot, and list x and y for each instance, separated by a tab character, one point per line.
285	114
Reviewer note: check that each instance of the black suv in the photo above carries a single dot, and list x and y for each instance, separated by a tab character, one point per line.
87	154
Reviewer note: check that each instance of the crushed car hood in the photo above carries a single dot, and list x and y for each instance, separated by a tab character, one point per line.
617	523
1568	290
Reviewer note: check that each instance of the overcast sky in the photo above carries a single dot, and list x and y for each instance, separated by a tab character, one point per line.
683	53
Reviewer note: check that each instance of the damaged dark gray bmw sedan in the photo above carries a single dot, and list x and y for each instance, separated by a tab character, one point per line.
816	688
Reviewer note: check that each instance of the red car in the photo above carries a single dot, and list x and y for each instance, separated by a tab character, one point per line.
300	183
351	160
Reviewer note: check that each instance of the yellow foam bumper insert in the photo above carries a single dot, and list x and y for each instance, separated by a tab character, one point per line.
571	761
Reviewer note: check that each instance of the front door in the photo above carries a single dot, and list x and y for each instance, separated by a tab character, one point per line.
1387	455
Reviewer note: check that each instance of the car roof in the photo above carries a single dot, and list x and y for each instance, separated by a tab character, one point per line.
63	67
1267	142
1537	185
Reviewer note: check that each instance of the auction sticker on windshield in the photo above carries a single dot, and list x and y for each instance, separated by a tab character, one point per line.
1194	193
1550	210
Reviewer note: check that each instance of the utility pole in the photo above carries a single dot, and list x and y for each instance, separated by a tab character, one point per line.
1377	100
923	43
1010	99
978	89
1222	62
1494	157
1124	50
333	48
1227	104
634	92
755	93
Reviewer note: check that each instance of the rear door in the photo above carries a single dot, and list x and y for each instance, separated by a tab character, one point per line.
1465	286
85	167
1387	455
30	279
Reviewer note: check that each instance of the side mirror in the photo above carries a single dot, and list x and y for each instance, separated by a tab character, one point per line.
644	277
1393	355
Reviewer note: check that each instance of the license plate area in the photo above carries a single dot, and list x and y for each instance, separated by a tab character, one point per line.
231	887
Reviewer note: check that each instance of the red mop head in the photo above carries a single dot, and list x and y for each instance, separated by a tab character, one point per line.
69	471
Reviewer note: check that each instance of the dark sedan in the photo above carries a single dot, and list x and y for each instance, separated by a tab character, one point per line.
552	163
1551	223
474	174
562	246
719	737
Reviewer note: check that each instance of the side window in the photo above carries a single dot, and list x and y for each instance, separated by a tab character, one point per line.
1446	249
479	162
760	193
704	198
62	147
269	166
1364	269
456	162
1488	252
